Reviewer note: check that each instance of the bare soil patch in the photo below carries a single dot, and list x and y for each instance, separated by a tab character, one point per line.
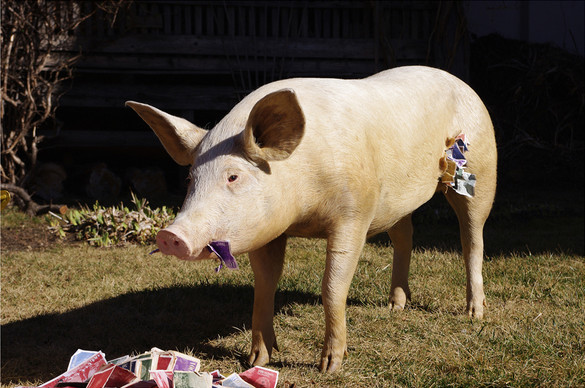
27	238
30	236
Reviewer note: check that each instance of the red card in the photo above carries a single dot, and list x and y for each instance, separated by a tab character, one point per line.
80	373
260	377
111	376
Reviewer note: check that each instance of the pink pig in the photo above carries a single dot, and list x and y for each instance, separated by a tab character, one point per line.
336	159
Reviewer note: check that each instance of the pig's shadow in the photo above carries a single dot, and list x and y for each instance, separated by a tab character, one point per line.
171	318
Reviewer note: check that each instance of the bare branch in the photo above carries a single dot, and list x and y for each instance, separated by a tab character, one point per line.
31	32
24	201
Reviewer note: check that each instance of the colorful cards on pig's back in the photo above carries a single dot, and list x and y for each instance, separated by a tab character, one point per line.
453	163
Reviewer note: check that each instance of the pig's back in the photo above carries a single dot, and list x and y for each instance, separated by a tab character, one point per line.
379	138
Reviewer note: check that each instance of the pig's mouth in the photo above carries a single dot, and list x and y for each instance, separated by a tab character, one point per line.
221	249
223	252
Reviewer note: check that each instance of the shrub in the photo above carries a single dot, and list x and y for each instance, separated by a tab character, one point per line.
107	226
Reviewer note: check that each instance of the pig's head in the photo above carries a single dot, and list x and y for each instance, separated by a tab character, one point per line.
233	194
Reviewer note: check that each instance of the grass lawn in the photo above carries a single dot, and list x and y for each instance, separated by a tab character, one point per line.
60	297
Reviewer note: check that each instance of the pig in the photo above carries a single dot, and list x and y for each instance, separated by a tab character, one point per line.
336	159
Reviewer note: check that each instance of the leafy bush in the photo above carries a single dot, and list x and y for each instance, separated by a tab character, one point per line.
107	226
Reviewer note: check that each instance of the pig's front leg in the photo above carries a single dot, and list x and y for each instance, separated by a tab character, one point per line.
267	265
401	236
343	251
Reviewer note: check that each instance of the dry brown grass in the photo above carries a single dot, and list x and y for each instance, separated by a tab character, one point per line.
121	300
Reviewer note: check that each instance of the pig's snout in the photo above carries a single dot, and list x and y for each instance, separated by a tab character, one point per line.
173	243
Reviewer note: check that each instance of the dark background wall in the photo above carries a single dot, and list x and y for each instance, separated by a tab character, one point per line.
196	59
557	22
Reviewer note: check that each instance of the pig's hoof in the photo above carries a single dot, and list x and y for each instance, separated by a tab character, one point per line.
258	357
330	363
261	350
331	358
398	299
475	310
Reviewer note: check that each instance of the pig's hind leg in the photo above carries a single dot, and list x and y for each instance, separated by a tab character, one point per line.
267	263
472	214
401	236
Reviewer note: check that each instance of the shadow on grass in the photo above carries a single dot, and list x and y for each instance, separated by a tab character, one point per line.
178	318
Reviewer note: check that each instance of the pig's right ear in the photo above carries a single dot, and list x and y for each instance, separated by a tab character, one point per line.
275	127
177	135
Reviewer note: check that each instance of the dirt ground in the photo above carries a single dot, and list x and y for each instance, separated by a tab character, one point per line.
27	238
30	236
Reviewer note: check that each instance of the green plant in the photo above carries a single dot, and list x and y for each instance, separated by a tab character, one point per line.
107	226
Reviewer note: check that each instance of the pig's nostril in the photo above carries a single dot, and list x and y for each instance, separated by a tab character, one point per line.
172	243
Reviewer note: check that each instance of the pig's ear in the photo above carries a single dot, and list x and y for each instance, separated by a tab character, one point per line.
275	127
178	136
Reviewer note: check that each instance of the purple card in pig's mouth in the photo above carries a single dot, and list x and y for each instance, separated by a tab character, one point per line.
222	250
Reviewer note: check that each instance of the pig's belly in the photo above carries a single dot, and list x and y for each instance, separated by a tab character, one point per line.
310	228
396	204
392	207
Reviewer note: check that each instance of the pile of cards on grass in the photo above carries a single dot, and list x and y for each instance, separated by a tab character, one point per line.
154	369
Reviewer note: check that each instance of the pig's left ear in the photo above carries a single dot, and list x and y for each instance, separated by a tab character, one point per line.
275	127
177	135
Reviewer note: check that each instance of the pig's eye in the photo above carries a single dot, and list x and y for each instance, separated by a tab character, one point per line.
232	178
